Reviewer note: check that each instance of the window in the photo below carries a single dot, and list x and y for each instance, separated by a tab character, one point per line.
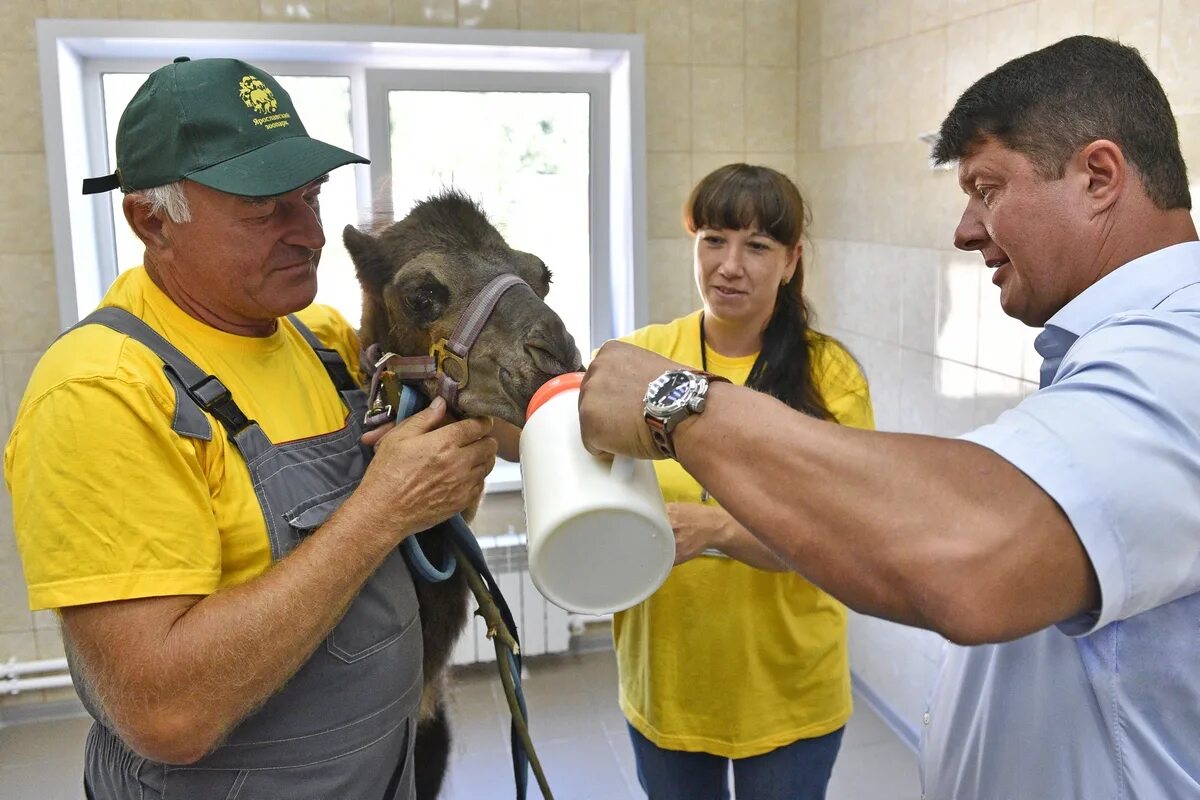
544	130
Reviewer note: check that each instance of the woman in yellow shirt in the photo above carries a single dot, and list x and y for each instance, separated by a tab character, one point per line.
735	657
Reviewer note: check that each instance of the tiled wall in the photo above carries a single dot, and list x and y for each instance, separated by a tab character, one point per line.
923	318
721	85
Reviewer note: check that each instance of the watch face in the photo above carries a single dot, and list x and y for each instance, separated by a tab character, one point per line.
674	390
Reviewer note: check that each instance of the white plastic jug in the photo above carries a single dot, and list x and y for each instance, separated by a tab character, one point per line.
598	535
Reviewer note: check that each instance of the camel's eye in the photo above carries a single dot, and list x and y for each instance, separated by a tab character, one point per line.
427	301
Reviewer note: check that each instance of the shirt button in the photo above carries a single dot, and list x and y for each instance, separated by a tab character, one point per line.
926	718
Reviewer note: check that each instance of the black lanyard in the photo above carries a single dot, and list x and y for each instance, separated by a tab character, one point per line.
703	349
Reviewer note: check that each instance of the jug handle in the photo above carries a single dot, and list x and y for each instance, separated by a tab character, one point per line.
622	468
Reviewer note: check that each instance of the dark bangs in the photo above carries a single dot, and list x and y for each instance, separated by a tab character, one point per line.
739	196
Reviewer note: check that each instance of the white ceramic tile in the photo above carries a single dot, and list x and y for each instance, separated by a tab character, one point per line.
926	74
809	25
242	10
29	304
921	271
704	163
917	392
893	78
1058	19
893	19
958	307
808	109
954	401
966	56
1003	340
928	14
994	394
784	162
962	9
672	285
849	94
83	9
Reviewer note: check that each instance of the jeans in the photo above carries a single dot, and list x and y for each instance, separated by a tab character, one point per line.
797	771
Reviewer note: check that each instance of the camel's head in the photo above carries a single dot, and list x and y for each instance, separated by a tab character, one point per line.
419	276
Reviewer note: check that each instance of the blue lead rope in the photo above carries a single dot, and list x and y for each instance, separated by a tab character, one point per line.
410	402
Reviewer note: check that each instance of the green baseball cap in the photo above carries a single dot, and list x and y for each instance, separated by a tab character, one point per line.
220	122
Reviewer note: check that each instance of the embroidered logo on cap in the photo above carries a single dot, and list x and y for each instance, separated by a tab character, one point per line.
256	95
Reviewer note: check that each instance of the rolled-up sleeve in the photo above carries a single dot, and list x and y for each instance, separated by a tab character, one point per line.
1115	441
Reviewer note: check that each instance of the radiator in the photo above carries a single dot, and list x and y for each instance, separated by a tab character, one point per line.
543	626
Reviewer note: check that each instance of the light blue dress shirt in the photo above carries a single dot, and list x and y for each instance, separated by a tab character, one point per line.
1105	706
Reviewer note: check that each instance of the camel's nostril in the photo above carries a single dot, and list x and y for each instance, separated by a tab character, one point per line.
549	359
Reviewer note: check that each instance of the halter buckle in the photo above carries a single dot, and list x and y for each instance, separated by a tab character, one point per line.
441	354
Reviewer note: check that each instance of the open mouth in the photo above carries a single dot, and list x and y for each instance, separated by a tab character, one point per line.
725	291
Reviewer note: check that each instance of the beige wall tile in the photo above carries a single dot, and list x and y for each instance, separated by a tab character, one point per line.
668	182
49	643
810	35
488	14
966	56
441	13
667	26
1058	19
21	126
17	367
155	9
926	71
15	616
45	621
25	215
926	14
704	163
893	19
19	645
669	107
1012	32
964	9
837	23
893	80
863	24
1179	54
83	9
772	32
718	32
287	10
672	285
358	12
848	97
808	109
550	15
606	16
780	162
29	304
1136	24
718	107
16	24
233	10
771	109
998	4
921	272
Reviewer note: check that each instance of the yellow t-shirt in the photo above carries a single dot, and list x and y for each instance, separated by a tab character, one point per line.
725	658
109	503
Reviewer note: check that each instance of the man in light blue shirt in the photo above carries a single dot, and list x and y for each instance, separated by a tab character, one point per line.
1060	546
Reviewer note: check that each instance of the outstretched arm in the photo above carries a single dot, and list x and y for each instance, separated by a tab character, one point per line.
941	534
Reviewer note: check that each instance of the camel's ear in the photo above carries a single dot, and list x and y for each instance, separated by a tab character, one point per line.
370	263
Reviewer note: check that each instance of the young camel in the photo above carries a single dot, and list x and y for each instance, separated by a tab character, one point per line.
418	276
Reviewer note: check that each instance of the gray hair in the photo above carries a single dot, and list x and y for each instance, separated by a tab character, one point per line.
168	198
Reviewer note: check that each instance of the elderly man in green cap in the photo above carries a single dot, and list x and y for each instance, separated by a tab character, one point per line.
191	487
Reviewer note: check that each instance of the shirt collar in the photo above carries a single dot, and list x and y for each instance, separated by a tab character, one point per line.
1139	284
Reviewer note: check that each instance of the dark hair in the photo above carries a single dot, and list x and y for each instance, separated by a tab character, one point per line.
740	196
1050	103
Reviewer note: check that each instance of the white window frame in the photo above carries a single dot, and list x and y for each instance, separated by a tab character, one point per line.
72	54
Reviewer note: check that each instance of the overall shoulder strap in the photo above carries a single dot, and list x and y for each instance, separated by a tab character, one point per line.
339	373
194	388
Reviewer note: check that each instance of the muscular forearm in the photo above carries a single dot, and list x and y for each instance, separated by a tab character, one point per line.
938	533
735	541
214	660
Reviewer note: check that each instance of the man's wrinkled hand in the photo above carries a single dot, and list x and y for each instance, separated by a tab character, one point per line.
611	400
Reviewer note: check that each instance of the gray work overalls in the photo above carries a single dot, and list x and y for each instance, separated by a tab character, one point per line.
343	727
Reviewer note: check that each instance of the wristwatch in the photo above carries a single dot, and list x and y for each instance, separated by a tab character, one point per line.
670	399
